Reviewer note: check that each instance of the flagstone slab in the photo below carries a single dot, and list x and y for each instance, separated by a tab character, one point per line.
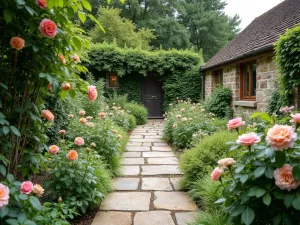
186	218
147	144
133	161
160	144
132	154
130	170
112	218
133	144
161	148
156	140
138	148
158	154
153	218
160	170
126	184
136	136
176	183
173	201
163	161
127	201
157	184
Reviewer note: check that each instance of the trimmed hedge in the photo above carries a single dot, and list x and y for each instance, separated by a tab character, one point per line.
139	112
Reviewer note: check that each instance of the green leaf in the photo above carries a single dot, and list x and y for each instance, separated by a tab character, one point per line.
12	222
254	115
86	5
30	10
259	171
122	1
244	178
288	199
15	131
82	16
10	178
97	22
3	170
43	75
221	200
296	172
287	219
23	197
34	201
267	199
77	42
270	153
63	94
8	16
5	130
269	173
108	1
252	191
239	168
21	2
248	215
296	202
277	220
237	210
3	211
265	116
260	192
233	147
280	158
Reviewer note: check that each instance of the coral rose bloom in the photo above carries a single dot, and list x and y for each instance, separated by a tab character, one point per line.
38	189
92	93
4	195
235	123
47	114
26	187
81	112
17	43
72	155
284	178
102	114
41	3
83	120
76	58
48	28
79	141
295	118
50	88
226	162
62	132
66	86
216	174
53	149
281	136
248	139
62	58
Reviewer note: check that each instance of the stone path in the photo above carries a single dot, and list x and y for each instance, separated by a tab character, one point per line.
148	191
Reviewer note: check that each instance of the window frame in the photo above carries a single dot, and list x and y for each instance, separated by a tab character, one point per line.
108	80
242	88
218	77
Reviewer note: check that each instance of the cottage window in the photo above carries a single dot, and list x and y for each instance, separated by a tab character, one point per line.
218	77
112	80
248	81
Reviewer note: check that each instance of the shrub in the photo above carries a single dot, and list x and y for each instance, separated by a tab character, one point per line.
117	100
198	161
219	102
139	112
123	119
274	102
210	218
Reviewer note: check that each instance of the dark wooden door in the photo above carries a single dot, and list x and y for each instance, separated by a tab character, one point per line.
152	96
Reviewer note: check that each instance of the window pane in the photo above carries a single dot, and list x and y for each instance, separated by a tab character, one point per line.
246	77
253	88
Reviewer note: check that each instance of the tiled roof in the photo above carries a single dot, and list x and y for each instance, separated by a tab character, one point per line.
260	35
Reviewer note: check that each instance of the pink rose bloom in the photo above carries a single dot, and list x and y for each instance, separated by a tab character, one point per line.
284	178
4	195
235	123
17	43
48	28
41	3
26	187
48	115
81	112
53	149
216	174
102	114
76	58
281	136
92	93
286	109
226	162
248	139
62	58
38	189
62	132
79	141
295	118
66	86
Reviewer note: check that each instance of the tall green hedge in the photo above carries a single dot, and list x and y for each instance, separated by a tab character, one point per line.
178	69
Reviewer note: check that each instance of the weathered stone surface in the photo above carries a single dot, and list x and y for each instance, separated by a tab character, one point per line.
133	161
157	184
161	148
158	154
127	201
176	183
148	140
130	170
173	201
160	144
126	184
135	136
163	161
147	144
160	170
137	148
153	218
132	154
134	144
185	218
112	218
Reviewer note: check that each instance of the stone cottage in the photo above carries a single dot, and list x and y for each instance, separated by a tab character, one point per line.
246	64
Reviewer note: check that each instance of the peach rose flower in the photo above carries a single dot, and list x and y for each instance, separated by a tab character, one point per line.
4	195
53	149
38	189
47	114
72	155
235	123
76	58
50	88
92	93
280	137
70	116
295	118
66	86
83	120
62	132
216	174
79	141
248	139
89	124
226	162
81	112
284	178
62	58
41	3
102	114
89	117
26	187
17	43
48	28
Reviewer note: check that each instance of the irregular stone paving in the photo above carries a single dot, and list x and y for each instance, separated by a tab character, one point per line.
148	191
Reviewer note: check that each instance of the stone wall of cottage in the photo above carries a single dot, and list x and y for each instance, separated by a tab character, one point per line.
265	83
